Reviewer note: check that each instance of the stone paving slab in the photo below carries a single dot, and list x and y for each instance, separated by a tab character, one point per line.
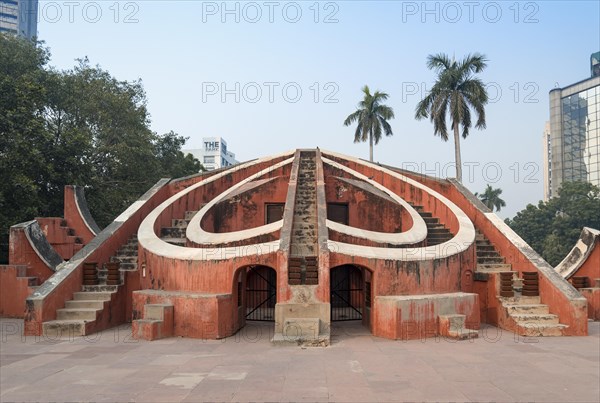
357	367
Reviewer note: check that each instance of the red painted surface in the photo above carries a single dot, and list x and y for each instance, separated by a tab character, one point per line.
591	267
196	316
58	236
593	298
418	319
74	218
15	289
21	252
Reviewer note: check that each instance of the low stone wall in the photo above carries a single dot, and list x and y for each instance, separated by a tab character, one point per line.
199	316
416	316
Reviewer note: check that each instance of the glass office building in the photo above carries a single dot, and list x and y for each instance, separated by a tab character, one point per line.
574	141
19	17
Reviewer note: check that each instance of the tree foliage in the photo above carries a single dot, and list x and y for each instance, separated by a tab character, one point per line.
553	227
372	118
491	198
455	92
76	127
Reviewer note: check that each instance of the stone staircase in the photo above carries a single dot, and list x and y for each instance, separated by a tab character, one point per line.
175	234
303	262
62	237
79	316
532	318
488	258
437	233
526	312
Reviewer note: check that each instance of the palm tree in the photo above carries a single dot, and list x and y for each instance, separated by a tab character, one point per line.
455	92
372	117
491	198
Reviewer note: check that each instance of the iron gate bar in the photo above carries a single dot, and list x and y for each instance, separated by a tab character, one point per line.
347	302
260	285
269	298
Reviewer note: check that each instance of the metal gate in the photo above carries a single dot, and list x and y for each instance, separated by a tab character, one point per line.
347	295
261	294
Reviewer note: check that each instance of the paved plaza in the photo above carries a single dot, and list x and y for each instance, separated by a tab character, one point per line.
110	366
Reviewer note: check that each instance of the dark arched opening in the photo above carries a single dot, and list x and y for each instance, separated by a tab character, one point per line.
261	293
348	293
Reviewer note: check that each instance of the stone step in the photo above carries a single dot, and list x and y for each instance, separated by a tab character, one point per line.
541	330
88	304
487	253
124	259
100	288
490	259
520	300
57	329
94	296
540	318
494	268
172	232
77	314
528	309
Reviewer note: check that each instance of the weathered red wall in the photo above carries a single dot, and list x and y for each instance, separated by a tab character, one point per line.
591	267
213	316
20	252
74	218
248	210
57	235
15	289
366	210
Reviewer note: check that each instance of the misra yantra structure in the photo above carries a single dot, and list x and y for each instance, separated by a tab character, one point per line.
302	239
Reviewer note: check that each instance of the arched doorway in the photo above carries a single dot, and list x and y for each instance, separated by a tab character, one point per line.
347	293
261	293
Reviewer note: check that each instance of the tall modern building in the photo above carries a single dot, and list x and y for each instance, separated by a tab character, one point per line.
19	17
214	153
573	152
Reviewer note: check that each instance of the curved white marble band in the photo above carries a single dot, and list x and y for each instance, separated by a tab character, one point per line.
148	239
463	239
198	235
417	233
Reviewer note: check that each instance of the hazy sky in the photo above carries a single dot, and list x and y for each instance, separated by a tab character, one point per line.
269	76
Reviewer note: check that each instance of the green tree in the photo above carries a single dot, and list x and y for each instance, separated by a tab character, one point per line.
372	118
81	127
553	227
491	198
455	92
23	165
172	160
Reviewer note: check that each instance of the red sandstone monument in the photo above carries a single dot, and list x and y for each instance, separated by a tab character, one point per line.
302	239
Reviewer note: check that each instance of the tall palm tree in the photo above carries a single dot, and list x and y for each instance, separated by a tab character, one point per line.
372	117
491	198
455	92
